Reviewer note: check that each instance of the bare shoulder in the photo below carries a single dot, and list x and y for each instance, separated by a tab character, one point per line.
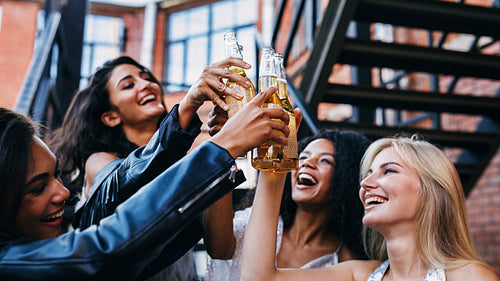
98	160
94	164
361	269
471	271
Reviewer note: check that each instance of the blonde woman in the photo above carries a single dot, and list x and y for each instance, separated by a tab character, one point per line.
415	222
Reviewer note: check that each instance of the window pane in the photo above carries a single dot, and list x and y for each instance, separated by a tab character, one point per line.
198	21
246	38
177	26
175	63
222	15
246	11
197	58
218	52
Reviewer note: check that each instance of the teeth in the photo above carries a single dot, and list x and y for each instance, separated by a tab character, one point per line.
306	178
374	200
147	98
54	216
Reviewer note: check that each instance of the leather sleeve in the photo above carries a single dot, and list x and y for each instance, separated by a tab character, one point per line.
120	179
123	244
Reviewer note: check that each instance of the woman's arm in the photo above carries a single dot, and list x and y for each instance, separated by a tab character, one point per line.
259	246
210	86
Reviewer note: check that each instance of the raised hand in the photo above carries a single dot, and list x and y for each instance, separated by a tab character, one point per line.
253	125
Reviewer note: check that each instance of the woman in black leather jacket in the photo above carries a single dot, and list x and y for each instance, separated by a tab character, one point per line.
117	136
32	200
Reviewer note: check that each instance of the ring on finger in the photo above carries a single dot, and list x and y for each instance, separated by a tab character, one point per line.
224	89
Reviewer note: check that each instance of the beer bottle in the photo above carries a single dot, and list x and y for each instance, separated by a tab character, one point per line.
290	151
268	156
233	49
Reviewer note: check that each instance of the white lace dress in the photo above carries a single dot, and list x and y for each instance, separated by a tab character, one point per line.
433	274
229	270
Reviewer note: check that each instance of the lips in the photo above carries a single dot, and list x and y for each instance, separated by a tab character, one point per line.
372	200
146	99
307	179
54	217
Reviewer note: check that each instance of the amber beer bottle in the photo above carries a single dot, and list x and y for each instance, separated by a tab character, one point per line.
290	151
268	156
233	49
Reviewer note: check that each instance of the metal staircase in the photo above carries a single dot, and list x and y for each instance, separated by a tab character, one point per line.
334	42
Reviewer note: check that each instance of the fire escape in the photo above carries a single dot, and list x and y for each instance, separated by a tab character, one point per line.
344	37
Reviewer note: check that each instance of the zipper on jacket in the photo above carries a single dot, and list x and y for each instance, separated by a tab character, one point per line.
232	177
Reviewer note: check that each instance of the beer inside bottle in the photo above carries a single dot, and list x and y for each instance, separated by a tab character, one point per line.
268	156
290	151
248	94
233	50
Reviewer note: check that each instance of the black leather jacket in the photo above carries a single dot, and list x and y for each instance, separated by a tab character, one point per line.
140	229
120	179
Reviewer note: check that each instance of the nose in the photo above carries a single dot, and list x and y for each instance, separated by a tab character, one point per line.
60	193
145	84
307	162
369	182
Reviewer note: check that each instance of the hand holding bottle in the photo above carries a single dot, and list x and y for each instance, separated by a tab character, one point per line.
210	85
253	125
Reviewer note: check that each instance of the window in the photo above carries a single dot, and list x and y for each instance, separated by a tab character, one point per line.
196	39
102	40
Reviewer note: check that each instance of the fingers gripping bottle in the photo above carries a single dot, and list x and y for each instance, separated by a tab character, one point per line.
290	151
233	49
268	156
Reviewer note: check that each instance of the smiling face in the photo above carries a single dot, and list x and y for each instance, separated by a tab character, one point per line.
134	94
44	196
390	191
311	182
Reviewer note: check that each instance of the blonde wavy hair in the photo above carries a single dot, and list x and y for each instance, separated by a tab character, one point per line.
443	238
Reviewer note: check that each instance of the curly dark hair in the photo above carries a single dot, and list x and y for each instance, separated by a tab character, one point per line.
346	210
82	131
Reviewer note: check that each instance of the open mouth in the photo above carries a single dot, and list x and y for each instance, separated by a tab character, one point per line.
375	200
306	179
147	99
52	217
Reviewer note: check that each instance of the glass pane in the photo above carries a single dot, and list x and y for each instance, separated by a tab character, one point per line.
175	63
102	54
85	69
177	26
217	52
222	15
246	38
246	11
197	58
198	21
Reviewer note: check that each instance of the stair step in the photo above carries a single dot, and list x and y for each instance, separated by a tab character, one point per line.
431	15
475	142
413	100
415	58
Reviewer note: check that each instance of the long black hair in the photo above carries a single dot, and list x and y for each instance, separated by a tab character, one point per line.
83	133
346	210
17	133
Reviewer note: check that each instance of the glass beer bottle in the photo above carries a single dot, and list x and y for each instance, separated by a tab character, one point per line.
290	151
233	49
268	156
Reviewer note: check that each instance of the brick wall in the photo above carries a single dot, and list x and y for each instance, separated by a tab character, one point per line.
17	37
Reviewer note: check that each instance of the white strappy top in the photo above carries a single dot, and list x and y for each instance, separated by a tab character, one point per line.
433	274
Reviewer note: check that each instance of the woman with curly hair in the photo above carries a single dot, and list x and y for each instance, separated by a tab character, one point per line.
415	221
320	217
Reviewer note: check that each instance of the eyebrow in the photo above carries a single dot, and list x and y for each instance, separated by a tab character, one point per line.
37	178
124	78
322	153
40	176
130	76
390	163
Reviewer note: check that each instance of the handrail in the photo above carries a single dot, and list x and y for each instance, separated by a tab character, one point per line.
38	65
